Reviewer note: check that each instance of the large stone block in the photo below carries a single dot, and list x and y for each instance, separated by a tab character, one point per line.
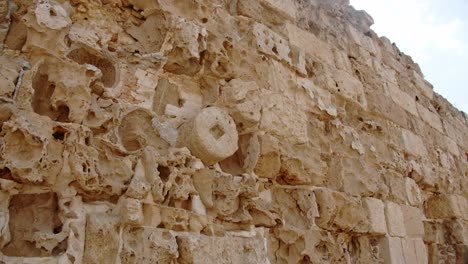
395	220
282	119
297	206
274	45
413	219
201	249
413	193
412	143
402	99
414	251
431	118
421	250
425	87
310	43
446	206
340	212
102	239
264	157
349	87
286	8
376	212
392	250
148	245
32	219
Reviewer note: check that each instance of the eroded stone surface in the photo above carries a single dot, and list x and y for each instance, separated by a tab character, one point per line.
249	131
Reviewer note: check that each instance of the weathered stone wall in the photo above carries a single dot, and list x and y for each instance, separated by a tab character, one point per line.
221	131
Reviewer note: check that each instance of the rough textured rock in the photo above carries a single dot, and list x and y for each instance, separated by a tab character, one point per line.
214	131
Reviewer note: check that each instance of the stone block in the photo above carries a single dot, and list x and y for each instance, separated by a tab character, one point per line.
148	245
413	219
446	206
412	143
402	99
394	218
201	249
297	206
211	135
362	40
413	193
264	156
301	171
409	250
285	8
268	12
430	118
307	246
423	85
349	87
310	43
282	119
414	251
274	45
421	251
376	212
451	146
339	211
446	231
32	226
102	239
396	186
392	250
434	231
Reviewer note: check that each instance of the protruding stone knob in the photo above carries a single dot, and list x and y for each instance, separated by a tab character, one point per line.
211	135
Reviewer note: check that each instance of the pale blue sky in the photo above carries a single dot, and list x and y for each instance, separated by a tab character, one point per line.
434	33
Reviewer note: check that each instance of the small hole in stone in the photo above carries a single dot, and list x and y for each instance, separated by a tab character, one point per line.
164	173
5	173
59	133
181	102
57	229
63	112
275	50
217	131
204	20
417	99
52	12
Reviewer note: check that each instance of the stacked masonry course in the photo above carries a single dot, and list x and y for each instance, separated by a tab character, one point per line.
216	131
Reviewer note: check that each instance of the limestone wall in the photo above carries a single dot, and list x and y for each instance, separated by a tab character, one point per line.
221	131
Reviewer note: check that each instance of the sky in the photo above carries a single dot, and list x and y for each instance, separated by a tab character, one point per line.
434	33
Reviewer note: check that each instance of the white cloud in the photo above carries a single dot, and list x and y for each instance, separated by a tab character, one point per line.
436	41
415	27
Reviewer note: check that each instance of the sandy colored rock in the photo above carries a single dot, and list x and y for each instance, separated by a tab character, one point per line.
199	249
376	212
211	135
395	220
248	131
446	206
413	219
